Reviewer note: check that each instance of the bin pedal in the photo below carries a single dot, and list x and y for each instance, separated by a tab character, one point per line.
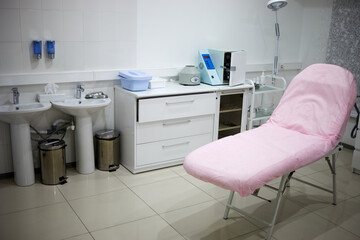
112	168
62	180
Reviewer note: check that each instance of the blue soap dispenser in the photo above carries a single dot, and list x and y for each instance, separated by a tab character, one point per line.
37	49
50	46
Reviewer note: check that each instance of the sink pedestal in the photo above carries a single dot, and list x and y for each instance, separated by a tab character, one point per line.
85	162
23	163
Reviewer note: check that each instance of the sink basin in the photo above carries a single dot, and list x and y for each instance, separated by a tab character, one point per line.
81	107
19	117
22	113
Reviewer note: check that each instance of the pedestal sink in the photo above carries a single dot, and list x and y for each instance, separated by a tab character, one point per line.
82	109
19	117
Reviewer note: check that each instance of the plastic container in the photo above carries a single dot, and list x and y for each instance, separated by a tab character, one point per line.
53	161
107	150
134	80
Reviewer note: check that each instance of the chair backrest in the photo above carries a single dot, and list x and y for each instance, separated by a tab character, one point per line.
318	102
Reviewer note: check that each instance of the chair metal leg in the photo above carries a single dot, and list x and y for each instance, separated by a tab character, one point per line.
231	196
283	183
334	179
332	167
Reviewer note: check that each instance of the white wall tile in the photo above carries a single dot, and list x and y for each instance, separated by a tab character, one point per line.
53	25
56	64
9	3
29	63
92	55
93	5
73	25
92	26
110	5
127	26
30	4
73	56
10	25
109	26
51	4
127	6
10	57
6	158
73	4
116	55
31	24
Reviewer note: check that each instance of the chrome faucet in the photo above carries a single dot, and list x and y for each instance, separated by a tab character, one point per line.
79	89
16	95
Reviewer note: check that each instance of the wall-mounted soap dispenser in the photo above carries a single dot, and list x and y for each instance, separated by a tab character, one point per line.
37	49
50	46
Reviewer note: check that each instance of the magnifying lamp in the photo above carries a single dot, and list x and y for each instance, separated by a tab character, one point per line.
275	5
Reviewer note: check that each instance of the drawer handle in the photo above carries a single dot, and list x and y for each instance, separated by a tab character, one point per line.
178	122
188	101
176	144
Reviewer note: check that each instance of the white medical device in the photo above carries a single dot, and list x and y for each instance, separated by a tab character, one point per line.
219	67
207	69
230	66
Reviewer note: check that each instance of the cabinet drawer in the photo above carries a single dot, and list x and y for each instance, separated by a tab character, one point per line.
156	109
165	151
175	128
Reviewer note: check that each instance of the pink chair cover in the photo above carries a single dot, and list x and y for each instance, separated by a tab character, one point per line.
307	124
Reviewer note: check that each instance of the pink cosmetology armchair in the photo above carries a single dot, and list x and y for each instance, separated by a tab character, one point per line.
307	125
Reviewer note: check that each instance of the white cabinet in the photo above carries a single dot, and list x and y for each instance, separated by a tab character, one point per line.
159	131
159	127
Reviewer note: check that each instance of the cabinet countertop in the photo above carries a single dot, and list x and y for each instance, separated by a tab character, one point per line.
174	88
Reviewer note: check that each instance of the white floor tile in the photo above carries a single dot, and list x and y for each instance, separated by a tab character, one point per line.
205	221
170	195
83	185
110	209
179	170
132	180
14	198
347	182
314	167
211	189
257	235
265	210
56	221
86	236
311	226
153	228
346	214
310	197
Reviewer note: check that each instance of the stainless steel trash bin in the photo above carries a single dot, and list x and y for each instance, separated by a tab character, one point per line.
107	150
53	161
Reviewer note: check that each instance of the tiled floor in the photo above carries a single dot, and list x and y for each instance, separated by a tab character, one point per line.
170	204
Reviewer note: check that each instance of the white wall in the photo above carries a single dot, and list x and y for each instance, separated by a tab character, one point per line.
88	34
170	32
119	34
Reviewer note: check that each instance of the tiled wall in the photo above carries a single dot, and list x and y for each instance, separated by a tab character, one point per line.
89	34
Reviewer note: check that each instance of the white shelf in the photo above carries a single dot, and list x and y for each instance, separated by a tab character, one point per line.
268	89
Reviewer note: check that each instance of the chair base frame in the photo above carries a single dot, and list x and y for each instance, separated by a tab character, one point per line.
284	183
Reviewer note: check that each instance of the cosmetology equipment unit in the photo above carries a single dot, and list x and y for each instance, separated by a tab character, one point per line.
219	67
230	66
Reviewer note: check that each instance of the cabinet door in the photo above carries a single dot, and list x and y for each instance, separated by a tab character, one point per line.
174	128
166	151
156	109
